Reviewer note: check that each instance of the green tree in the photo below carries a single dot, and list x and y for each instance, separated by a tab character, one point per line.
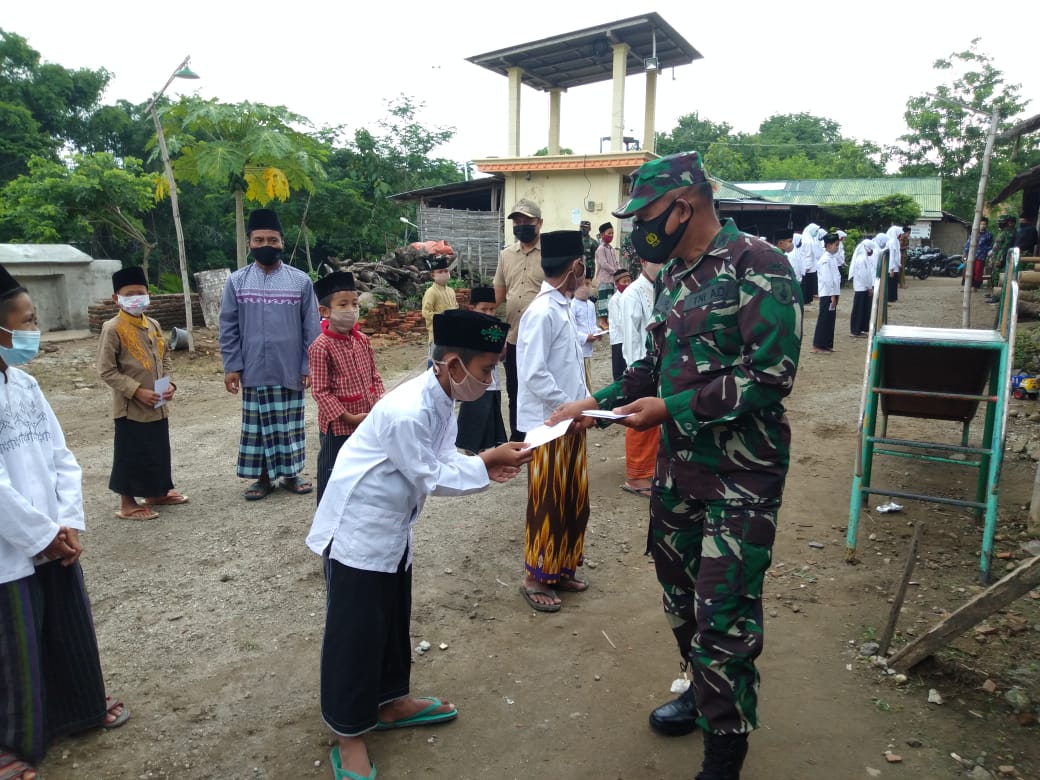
96	202
873	215
947	140
58	100
252	149
351	213
692	133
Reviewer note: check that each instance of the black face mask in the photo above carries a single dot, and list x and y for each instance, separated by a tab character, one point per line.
525	234
651	242
266	255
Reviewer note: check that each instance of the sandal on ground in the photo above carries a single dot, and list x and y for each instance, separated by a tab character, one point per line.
572	585
258	490
170	499
423	717
343	774
139	513
297	485
529	593
117	709
644	491
13	768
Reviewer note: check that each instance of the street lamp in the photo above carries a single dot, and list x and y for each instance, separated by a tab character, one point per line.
406	221
182	72
980	199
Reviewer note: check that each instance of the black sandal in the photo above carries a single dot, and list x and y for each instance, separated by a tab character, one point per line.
297	485
259	489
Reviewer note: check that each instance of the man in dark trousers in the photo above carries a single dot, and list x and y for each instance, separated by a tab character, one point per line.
723	349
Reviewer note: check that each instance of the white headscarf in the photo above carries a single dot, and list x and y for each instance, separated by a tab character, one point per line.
895	257
860	256
881	239
796	239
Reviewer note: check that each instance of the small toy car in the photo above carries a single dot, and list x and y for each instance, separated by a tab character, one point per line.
1025	386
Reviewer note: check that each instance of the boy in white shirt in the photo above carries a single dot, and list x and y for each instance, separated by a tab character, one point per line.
50	673
550	368
829	289
585	322
622	278
402	452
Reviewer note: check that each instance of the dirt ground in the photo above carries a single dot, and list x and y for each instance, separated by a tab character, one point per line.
210	618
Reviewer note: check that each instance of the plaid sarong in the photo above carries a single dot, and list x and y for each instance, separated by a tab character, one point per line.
273	437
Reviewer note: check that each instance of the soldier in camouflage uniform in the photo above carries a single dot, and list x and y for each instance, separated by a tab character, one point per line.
590	244
1004	241
723	348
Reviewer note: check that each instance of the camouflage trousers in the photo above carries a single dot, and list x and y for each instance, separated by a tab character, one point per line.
711	558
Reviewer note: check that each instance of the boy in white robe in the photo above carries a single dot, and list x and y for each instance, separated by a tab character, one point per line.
401	453
50	673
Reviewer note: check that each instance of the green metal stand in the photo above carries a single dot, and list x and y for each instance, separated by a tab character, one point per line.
937	374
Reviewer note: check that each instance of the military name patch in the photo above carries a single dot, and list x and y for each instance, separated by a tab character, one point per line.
715	293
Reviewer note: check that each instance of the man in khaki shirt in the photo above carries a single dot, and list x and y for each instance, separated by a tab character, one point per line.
517	281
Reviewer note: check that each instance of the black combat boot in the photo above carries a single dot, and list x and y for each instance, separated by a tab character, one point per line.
723	756
677	717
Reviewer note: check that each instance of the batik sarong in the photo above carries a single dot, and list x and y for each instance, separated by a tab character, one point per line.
557	508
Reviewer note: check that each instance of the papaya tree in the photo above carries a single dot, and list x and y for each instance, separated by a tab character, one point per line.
254	150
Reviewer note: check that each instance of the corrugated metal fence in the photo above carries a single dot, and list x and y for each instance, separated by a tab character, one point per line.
476	236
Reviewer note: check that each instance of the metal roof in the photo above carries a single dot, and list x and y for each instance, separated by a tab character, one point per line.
584	56
454	188
1025	127
1029	178
925	190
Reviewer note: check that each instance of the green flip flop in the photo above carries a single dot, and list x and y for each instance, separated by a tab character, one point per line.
423	717
346	774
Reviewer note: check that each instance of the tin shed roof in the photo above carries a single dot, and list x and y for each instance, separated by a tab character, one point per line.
584	56
925	190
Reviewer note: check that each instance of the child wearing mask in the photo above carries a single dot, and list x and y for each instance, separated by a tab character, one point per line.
133	359
438	296
51	682
345	382
606	265
585	321
403	453
481	426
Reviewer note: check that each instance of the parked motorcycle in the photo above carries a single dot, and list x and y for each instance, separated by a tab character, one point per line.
922	262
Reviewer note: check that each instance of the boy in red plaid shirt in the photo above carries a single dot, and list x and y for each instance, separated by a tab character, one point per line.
344	378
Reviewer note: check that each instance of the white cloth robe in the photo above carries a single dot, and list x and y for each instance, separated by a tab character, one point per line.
401	453
41	484
549	366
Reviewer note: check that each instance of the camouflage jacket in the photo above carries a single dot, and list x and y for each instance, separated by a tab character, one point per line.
590	244
722	351
1005	240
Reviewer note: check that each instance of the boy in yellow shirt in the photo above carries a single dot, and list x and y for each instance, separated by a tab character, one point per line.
439	297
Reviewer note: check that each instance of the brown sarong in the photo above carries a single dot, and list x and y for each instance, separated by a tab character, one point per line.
557	508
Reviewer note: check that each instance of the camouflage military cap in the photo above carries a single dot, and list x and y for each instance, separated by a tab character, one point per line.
653	179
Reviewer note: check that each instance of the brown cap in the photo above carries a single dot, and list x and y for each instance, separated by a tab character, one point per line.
526	208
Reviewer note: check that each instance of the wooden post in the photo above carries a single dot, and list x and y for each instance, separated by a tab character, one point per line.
897	604
997	596
1034	505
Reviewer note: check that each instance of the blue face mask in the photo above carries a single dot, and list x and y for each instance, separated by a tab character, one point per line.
25	345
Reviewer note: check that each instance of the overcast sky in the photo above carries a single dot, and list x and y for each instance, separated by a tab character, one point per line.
856	63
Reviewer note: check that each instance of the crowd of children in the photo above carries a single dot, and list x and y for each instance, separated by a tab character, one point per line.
380	453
